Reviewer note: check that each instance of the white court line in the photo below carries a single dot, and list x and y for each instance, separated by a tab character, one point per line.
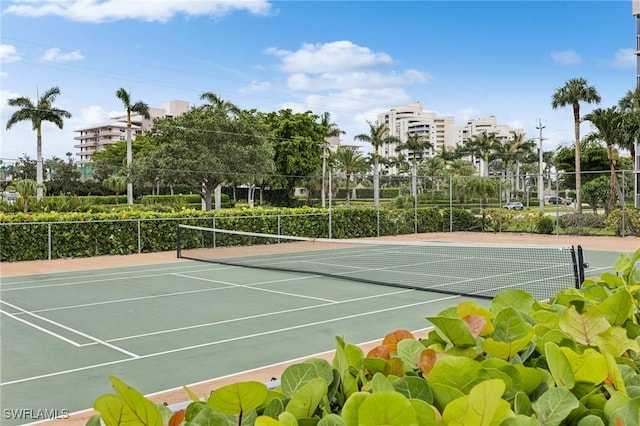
267	314
218	342
79	333
44	330
155	296
129	272
101	280
254	288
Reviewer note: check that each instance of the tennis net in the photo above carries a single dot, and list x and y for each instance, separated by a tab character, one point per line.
478	270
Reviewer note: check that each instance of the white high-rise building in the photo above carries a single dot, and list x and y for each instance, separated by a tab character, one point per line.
95	137
412	119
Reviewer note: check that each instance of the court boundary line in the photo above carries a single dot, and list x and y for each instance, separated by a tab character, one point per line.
42	329
73	330
214	343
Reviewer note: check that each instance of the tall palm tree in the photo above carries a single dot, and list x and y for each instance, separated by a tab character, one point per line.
379	135
331	130
415	145
349	161
220	105
609	127
631	102
142	109
574	91
482	145
434	167
37	114
512	152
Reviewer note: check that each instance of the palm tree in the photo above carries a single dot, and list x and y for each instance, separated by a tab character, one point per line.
216	102
349	161
37	114
574	91
332	130
416	145
631	102
378	136
482	145
608	123
483	189
513	151
27	188
115	184
460	167
139	108
433	167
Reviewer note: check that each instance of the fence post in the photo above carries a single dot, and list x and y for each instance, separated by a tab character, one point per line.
623	205
49	240
139	236
330	202
450	203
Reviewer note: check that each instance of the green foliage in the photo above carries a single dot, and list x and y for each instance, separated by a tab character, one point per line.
578	224
573	360
627	221
546	225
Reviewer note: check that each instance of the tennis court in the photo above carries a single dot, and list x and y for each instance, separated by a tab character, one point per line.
158	327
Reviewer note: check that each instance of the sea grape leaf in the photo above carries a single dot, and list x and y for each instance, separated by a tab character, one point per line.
614	382
618	307
166	414
516	299
396	367
522	404
506	350
510	326
559	366
458	372
391	340
352	406
616	342
410	350
94	421
616	401
332	420
347	356
554	406
236	398
425	413
192	395
594	291
546	318
113	410
590	366
611	280
380	383
306	400
558	337
454	330
476	324
628	414
583	327
485	404
145	411
274	407
296	376
209	417
380	351
376	365
387	409
288	419
465	309
531	377
591	420
193	409
267	421
323	369
414	388
520	420
444	394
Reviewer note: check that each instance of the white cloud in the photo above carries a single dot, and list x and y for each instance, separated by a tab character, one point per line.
337	56
8	53
92	115
256	86
625	59
566	57
142	10
463	115
54	55
4	74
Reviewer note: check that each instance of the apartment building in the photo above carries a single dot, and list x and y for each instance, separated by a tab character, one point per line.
440	131
94	138
411	119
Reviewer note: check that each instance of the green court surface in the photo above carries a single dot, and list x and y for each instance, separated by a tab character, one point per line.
158	327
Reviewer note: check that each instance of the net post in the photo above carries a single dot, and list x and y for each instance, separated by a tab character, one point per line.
576	267
581	264
179	242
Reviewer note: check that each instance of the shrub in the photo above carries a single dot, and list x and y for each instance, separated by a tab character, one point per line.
545	225
577	222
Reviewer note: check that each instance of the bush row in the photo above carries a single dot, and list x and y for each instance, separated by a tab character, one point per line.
32	237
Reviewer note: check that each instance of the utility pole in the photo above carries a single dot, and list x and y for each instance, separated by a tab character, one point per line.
540	171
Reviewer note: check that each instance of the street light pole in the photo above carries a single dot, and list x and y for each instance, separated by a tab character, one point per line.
540	171
324	172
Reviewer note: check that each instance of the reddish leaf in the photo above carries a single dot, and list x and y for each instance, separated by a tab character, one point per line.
428	359
475	324
380	351
391	340
177	418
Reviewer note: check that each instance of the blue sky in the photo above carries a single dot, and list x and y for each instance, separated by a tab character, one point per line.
353	59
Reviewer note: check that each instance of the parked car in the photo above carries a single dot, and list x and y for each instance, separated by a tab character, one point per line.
559	200
514	205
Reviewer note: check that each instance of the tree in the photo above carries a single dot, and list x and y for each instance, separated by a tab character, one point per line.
593	158
37	114
115	184
139	108
574	91
433	167
220	106
298	155
415	145
65	177
482	145
348	161
609	128
460	167
378	136
331	130
27	188
512	152
483	188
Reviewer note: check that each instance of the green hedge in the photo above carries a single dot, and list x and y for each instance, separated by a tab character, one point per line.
26	237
